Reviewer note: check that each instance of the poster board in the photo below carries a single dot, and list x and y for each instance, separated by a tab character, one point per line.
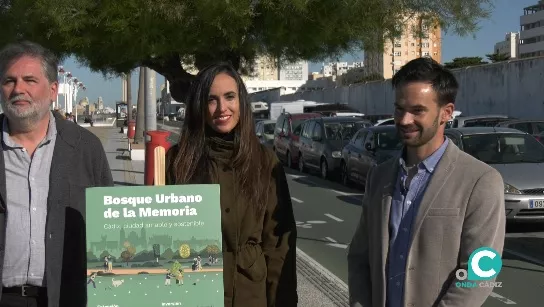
154	246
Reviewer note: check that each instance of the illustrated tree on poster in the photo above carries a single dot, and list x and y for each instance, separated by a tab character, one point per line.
185	251
128	253
213	250
157	251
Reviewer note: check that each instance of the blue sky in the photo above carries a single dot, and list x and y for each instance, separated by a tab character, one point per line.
505	18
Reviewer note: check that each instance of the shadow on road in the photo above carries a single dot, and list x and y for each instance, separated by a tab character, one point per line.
527	239
125	183
122	157
313	181
319	240
352	200
125	171
520	268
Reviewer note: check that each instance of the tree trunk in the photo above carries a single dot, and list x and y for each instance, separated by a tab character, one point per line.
129	96
180	80
140	115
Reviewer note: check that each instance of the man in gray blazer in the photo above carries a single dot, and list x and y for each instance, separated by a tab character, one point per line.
427	210
46	164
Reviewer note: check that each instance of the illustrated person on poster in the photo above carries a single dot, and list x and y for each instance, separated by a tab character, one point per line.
91	279
106	264
179	277
167	278
110	264
218	146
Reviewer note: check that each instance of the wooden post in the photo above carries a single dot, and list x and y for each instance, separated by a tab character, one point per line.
160	172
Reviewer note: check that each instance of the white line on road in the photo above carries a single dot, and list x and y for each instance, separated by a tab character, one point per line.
297	200
338	245
334	243
320	268
332	217
502	299
525	257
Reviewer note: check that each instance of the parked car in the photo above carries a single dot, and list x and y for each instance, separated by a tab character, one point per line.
287	132
488	120
518	157
321	143
368	147
533	127
264	130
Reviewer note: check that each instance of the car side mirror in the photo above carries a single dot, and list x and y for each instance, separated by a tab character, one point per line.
259	134
369	147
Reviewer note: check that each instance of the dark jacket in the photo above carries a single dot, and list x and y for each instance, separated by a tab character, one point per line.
79	162
259	249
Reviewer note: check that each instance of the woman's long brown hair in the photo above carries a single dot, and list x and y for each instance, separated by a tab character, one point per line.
251	162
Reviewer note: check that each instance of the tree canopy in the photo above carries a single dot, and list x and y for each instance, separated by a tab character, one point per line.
497	57
175	36
465	62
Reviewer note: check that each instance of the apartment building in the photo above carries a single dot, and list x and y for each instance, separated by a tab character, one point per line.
336	69
509	46
408	46
531	36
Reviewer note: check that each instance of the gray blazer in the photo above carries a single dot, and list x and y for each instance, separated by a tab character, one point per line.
79	162
461	210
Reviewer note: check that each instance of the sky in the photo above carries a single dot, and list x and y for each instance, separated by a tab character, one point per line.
505	18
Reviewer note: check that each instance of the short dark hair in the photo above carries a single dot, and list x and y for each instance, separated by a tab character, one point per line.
428	70
14	51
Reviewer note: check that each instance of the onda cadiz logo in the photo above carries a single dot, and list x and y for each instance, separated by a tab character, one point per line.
483	264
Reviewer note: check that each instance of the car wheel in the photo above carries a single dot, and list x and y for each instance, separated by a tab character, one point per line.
289	162
324	169
345	175
301	166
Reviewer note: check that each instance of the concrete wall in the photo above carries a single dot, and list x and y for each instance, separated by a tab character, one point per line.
514	88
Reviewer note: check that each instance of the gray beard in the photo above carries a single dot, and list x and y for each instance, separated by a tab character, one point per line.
25	121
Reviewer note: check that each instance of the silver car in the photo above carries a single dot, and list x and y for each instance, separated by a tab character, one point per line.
265	132
519	157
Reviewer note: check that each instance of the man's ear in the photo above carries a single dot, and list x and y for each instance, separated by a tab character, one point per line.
446	113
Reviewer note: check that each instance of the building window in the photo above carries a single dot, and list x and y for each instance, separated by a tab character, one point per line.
425	53
435	53
398	45
397	53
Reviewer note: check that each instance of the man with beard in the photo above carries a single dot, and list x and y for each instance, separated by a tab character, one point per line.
426	211
46	164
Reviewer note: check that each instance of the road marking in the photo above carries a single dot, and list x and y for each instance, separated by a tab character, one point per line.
525	257
322	270
309	180
334	243
296	176
502	299
332	217
338	245
297	200
316	222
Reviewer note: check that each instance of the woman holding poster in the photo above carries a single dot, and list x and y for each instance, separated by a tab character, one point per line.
218	146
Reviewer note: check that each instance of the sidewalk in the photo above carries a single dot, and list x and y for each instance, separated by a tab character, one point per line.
316	285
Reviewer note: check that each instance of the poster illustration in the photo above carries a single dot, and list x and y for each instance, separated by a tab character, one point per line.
154	246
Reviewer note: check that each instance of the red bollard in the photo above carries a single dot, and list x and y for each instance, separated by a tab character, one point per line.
158	138
131	129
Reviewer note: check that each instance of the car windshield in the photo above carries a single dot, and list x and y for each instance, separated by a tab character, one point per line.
269	128
297	122
341	131
503	148
388	140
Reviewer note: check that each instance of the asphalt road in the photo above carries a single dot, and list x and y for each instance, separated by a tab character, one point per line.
327	214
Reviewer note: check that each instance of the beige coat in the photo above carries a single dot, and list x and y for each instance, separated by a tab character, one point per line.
461	210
